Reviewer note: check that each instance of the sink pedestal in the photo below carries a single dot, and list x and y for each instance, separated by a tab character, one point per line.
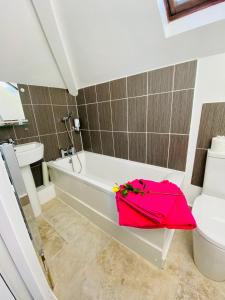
28	154
31	190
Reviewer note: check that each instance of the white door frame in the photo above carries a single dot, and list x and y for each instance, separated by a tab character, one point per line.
16	238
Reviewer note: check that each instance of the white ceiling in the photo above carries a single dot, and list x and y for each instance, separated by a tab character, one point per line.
111	39
24	53
103	40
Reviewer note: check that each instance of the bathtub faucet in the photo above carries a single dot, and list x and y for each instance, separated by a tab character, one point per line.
68	152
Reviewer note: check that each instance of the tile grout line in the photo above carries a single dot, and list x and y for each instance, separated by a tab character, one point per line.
14	131
128	146
171	112
133	97
121	131
88	120
36	136
146	125
35	120
98	119
81	139
82	145
57	137
199	148
110	104
67	107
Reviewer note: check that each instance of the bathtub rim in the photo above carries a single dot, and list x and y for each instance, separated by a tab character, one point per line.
105	187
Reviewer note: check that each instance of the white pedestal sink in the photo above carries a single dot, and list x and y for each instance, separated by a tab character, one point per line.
28	154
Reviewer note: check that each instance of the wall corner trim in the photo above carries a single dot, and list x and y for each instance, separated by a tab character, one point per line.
50	22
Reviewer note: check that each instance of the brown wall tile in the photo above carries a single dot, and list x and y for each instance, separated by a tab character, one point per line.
107	143
118	89
29	140
58	96
39	94
121	144
96	141
178	152
159	108
60	112
29	129
83	116
71	100
181	111
119	115
80	97
24	96
212	123
159	116
73	112
199	167
102	91
44	118
137	85
64	141
90	94
137	147
42	109
6	133
51	148
86	140
160	80
157	149
92	111
185	75
77	139
137	114
105	116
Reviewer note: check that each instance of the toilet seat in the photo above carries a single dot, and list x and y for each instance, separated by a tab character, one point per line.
209	213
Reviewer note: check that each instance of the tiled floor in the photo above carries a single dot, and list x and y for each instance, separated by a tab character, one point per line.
86	264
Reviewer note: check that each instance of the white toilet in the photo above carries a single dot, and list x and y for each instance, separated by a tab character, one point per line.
209	213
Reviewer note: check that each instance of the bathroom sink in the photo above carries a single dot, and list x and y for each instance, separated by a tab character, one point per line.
29	153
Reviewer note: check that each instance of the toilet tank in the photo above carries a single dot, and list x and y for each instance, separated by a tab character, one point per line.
214	180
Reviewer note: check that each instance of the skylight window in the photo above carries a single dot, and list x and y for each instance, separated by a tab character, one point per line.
180	8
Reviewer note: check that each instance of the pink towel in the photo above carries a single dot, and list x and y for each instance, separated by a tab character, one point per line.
162	205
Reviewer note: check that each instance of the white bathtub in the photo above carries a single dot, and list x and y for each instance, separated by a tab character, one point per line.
90	193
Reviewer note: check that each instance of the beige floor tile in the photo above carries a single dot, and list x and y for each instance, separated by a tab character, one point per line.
86	264
116	273
52	242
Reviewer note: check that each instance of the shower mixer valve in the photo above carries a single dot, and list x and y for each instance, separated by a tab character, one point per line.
68	152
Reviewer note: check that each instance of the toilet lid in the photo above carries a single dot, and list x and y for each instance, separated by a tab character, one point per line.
209	213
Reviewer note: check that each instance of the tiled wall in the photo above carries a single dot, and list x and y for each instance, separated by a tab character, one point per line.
144	118
212	124
44	108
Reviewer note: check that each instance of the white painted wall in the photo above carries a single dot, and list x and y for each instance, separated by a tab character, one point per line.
111	39
94	41
24	53
209	87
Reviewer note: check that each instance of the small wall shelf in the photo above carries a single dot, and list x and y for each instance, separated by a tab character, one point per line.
8	123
